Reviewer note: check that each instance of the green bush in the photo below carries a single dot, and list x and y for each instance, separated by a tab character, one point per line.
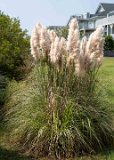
14	47
63	32
109	43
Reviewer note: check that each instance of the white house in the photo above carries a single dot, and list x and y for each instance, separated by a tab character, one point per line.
103	16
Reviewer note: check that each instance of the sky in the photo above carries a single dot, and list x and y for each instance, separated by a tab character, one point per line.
47	12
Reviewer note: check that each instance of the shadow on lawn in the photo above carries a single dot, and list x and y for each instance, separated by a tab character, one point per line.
12	155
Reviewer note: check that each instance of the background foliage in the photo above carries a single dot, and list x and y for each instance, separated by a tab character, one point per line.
109	43
14	47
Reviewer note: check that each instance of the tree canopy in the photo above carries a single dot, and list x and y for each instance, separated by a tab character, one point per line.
109	43
14	46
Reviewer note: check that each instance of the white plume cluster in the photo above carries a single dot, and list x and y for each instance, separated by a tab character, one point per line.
73	42
95	47
91	52
58	51
84	54
54	52
35	41
45	42
83	59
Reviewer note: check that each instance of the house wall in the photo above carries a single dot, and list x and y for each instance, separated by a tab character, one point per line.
108	24
83	24
87	25
105	21
91	24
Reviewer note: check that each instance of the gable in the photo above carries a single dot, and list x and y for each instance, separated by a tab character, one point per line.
100	9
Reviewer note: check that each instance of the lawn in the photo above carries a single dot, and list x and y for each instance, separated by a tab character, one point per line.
107	78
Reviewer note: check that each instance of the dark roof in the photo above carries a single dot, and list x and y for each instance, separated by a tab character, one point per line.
108	7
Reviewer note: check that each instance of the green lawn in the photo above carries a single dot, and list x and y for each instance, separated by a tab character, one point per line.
107	76
107	79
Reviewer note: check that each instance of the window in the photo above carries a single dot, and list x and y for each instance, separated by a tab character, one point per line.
90	25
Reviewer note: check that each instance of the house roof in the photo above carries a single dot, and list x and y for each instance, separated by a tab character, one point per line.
108	7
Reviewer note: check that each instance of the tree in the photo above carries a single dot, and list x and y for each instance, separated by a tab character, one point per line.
14	47
63	32
109	43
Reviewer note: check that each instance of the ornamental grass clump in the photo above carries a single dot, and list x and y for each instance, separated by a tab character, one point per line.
65	113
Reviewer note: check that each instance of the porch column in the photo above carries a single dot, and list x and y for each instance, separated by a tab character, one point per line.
111	26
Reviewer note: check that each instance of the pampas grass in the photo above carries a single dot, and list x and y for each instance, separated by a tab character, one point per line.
61	112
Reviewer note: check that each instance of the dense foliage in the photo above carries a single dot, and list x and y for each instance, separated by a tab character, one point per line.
14	47
109	43
63	32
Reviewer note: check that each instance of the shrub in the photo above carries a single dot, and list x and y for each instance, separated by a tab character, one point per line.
61	110
14	47
63	32
109	43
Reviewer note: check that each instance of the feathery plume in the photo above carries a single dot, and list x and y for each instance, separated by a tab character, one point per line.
62	46
58	50
82	61
34	41
91	52
54	52
95	47
73	36
73	41
45	42
52	35
85	56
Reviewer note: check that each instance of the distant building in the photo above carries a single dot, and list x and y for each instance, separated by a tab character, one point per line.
103	16
55	27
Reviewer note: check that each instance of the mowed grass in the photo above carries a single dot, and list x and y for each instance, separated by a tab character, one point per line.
107	79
